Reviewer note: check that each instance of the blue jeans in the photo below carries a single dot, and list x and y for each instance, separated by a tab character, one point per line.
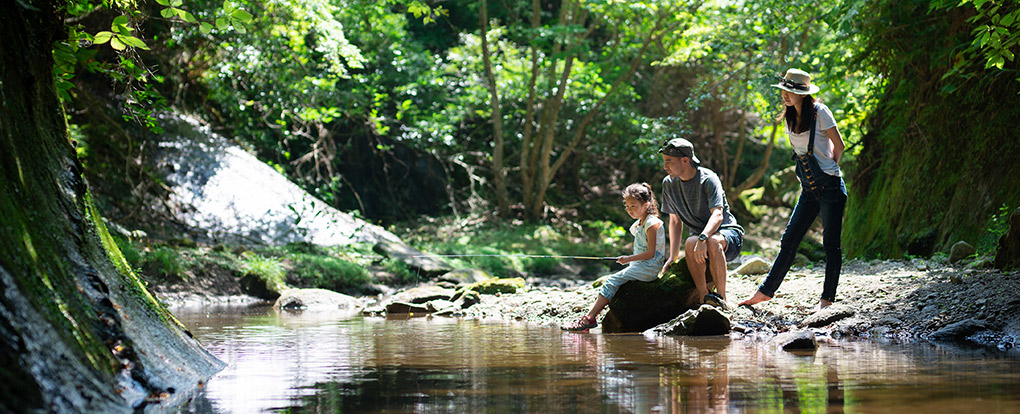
829	200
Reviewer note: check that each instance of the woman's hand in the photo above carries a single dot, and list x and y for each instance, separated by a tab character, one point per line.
624	259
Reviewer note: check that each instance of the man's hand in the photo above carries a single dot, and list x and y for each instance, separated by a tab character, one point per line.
700	251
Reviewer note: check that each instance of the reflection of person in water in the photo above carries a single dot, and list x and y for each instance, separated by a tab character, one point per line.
706	388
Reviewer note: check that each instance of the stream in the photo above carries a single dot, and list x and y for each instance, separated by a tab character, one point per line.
283	361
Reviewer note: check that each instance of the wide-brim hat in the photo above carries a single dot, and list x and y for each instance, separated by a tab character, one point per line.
679	147
798	82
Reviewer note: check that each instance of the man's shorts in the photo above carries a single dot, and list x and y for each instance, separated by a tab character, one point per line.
734	241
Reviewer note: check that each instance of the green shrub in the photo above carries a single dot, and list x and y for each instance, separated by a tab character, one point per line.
267	269
401	271
164	261
327	272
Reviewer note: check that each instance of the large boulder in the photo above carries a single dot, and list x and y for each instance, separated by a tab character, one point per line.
423	294
638	306
754	266
1007	256
960	250
223	193
316	300
706	320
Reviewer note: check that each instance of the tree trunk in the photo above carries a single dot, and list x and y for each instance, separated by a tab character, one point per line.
78	330
498	171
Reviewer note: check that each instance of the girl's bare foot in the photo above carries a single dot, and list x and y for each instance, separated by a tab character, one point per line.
757	298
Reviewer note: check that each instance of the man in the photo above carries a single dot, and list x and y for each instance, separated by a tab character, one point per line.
693	195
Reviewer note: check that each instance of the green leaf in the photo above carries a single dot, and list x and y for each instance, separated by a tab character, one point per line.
205	28
177	3
102	37
186	16
167	12
241	29
1008	19
134	42
120	20
163	2
221	23
241	16
117	44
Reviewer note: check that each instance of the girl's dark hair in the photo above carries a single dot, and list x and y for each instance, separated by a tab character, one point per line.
643	192
807	117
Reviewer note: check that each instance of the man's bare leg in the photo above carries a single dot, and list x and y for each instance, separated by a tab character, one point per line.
717	261
697	269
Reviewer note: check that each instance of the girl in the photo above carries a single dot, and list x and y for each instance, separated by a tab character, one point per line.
649	251
818	148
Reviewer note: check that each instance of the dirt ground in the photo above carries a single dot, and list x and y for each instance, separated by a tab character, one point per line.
891	299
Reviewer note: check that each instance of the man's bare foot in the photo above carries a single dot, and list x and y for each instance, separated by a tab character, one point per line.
757	298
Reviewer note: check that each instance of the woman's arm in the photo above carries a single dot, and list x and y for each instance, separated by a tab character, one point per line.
837	143
649	252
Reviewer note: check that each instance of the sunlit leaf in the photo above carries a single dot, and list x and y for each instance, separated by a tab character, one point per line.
205	28
120	20
134	42
186	16
241	16
102	37
221	23
117	44
167	13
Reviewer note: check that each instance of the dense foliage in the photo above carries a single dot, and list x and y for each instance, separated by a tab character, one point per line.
398	109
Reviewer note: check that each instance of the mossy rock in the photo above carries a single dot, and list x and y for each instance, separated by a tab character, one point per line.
639	306
498	285
258	287
487	287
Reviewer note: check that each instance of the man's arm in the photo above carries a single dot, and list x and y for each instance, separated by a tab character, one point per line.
676	228
701	247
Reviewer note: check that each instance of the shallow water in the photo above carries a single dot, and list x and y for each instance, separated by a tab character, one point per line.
293	362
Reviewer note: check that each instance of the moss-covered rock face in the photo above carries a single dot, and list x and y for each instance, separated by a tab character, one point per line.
78	330
940	154
638	306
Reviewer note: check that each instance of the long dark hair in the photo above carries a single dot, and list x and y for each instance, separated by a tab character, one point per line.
643	192
807	109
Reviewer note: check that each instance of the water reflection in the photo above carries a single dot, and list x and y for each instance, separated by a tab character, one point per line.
346	363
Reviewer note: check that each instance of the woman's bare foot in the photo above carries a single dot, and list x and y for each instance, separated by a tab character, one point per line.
822	304
757	298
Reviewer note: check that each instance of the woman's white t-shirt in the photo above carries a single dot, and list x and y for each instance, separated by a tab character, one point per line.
823	145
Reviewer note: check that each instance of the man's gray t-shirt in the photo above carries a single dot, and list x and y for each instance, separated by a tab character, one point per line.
694	200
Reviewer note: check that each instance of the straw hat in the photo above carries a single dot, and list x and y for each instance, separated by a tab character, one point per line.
798	82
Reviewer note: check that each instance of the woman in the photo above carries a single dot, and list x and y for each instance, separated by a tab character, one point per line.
818	148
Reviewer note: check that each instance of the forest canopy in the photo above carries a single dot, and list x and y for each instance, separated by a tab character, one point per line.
533	109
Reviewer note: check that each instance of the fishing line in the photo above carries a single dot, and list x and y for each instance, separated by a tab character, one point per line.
535	256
